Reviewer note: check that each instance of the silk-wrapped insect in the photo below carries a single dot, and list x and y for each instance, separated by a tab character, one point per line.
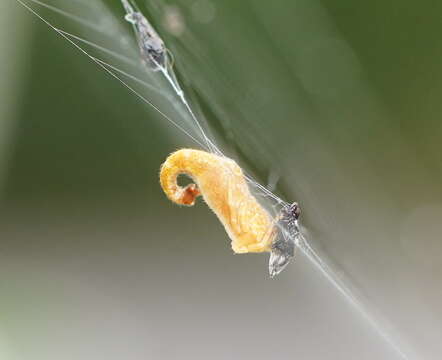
153	51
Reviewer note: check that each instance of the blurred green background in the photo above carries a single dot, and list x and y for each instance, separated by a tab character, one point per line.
340	99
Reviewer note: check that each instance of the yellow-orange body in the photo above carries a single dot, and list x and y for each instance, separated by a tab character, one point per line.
222	184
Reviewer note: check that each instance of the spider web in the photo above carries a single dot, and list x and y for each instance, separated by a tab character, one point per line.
99	33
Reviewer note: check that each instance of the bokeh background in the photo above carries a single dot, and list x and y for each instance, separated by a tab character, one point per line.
338	100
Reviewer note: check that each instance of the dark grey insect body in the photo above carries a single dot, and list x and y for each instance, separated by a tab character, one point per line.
152	48
283	247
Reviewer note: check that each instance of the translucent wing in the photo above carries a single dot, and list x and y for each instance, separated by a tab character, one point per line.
286	239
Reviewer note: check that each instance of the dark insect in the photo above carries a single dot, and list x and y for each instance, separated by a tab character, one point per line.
283	247
152	48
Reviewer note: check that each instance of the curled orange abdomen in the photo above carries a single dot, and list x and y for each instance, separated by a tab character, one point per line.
222	184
